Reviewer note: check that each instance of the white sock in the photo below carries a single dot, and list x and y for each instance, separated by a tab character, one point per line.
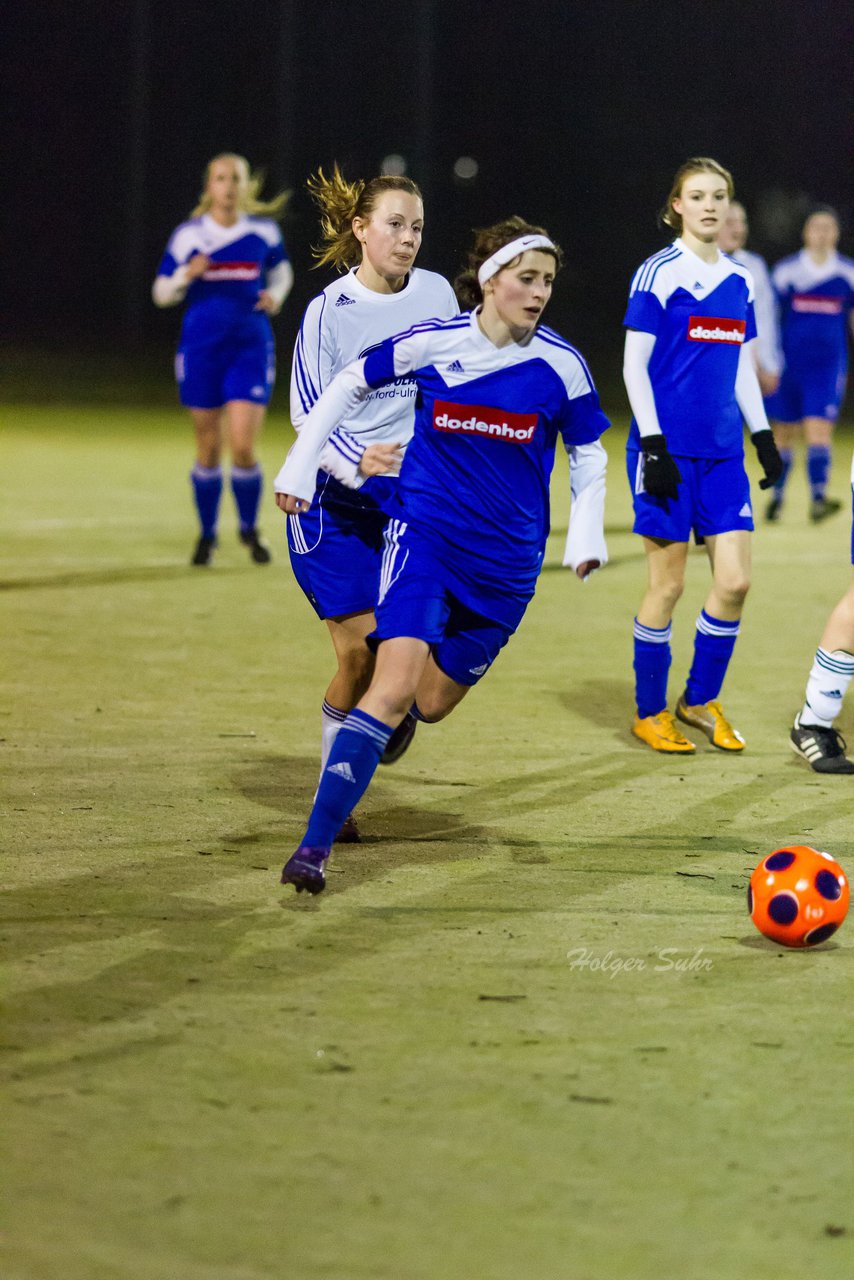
331	720
828	680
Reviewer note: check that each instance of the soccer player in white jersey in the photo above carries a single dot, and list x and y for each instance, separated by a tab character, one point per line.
372	232
767	353
815	290
495	389
691	379
813	736
229	264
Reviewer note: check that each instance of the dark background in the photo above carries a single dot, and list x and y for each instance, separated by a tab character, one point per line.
578	115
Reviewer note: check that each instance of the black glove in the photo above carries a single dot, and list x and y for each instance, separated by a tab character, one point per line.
661	475
769	458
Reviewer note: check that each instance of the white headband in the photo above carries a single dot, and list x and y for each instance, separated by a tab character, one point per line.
507	253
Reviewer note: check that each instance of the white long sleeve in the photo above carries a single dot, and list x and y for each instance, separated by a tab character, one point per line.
636	358
767	324
585	538
342	397
280	281
747	392
168	291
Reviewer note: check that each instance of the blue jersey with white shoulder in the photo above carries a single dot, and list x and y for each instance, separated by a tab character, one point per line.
815	301
221	302
701	314
475	479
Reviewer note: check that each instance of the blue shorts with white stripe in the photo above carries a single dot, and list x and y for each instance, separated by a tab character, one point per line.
417	599
336	546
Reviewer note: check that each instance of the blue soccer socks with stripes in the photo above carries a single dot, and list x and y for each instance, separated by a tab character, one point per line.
246	485
818	469
786	459
652	663
352	763
207	491
826	687
713	645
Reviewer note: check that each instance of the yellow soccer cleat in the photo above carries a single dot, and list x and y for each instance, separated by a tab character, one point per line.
660	733
709	717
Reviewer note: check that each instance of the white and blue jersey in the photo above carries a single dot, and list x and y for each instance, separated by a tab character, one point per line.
336	546
226	345
700	314
815	302
475	481
765	306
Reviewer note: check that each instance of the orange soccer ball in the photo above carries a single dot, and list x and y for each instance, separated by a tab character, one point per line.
798	896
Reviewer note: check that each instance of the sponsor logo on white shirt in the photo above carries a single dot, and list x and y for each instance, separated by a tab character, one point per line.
716	329
483	420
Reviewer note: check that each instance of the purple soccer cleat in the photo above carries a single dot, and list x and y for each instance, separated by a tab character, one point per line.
305	869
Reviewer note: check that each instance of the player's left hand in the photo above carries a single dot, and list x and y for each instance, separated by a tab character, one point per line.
768	382
769	457
266	302
290	505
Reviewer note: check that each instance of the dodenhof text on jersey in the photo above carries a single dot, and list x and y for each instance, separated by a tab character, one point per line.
716	329
483	420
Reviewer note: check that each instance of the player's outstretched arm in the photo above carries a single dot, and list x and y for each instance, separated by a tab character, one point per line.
346	391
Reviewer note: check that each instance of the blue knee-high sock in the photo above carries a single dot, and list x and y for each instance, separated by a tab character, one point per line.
713	646
818	469
207	491
652	663
246	486
786	458
352	762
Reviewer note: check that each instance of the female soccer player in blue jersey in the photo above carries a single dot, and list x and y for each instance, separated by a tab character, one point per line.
691	378
815	289
229	263
495	388
371	232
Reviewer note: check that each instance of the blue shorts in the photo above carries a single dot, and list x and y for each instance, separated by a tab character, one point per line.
336	546
211	375
816	394
714	497
416	601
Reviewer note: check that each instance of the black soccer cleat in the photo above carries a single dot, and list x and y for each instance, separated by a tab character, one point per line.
203	553
824	507
772	511
349	833
258	550
399	741
822	748
305	869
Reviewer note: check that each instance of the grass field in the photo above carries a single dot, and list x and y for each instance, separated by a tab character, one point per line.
528	1032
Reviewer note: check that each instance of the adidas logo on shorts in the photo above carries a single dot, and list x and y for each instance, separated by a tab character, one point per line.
478	671
745	510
